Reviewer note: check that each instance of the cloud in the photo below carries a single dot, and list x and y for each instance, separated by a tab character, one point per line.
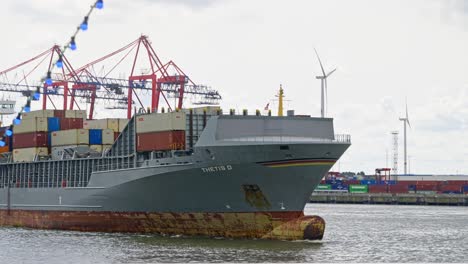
195	4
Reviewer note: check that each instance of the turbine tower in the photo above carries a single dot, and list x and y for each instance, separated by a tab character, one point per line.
405	121
323	78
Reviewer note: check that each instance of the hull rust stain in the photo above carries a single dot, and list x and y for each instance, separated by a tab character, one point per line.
263	225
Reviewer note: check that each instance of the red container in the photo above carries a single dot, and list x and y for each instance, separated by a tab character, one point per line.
356	182
451	188
398	188
459	183
166	140
381	188
426	187
30	140
71	123
59	113
116	135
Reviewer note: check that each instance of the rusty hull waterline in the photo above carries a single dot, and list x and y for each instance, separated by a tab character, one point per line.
261	225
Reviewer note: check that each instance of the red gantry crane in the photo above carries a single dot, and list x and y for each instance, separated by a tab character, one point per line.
159	81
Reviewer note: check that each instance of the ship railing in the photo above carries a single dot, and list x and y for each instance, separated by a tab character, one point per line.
339	138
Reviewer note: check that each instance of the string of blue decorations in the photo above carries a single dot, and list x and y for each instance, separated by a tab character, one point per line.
36	95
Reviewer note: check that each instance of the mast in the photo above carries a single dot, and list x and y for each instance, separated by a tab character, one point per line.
280	101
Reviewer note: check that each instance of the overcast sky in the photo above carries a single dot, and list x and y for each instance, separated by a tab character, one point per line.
385	52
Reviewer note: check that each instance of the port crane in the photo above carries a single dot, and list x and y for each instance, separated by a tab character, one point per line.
83	82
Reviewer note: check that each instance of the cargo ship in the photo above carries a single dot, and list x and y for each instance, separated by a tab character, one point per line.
190	172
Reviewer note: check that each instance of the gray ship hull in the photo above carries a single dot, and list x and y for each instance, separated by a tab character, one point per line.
242	189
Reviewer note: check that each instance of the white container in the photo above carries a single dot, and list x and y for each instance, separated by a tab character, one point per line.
28	154
97	148
80	114
107	136
113	123
160	122
75	113
122	124
70	137
95	124
38	113
36	124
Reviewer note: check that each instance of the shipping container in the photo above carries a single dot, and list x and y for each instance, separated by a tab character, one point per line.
116	135
97	148
122	124
323	187
352	182
426	187
36	124
165	140
30	140
59	113
358	188
378	188
339	186
37	113
107	136
95	137
71	123
95	124
80	114
160	122
453	187
70	137
367	182
28	154
113	123
53	124
465	189
398	188
75	114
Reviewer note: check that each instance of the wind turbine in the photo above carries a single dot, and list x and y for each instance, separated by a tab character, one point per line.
324	90
405	121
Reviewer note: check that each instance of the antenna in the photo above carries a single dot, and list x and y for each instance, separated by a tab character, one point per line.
324	85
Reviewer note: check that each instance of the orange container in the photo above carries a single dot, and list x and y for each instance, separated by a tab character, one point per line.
165	140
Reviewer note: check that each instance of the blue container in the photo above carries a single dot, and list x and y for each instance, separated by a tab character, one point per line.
49	138
465	188
95	137
368	182
339	187
411	187
53	124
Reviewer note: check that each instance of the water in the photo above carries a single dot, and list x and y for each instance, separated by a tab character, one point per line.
354	233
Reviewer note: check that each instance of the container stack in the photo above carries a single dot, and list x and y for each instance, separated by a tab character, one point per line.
49	132
117	125
161	132
30	137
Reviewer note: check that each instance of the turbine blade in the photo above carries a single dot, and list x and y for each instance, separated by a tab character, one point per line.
321	66
330	73
407	118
